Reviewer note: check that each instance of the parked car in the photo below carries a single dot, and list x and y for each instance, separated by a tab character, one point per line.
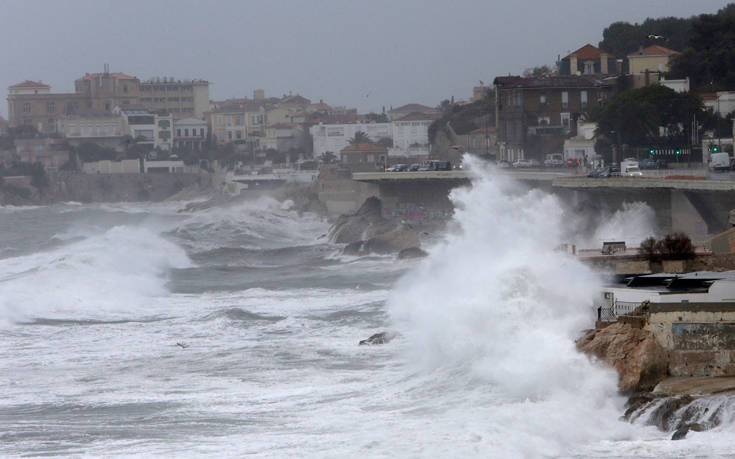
526	163
572	162
414	167
398	168
553	160
503	164
433	165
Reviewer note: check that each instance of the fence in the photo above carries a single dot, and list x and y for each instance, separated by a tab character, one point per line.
618	309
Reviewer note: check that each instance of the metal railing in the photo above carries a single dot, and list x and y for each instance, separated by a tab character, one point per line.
611	313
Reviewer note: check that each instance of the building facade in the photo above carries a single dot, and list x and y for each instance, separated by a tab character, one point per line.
335	137
181	98
190	134
364	157
589	60
535	115
655	58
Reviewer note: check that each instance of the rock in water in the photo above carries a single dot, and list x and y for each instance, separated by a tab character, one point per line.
379	338
411	252
641	362
681	433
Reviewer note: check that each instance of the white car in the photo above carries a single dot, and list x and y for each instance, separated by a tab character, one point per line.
526	163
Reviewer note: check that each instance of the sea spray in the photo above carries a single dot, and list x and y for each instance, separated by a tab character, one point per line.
117	272
496	303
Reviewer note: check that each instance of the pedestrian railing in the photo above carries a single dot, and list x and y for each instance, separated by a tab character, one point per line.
611	313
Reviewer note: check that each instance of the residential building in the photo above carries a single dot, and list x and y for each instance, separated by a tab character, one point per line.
680	85
281	137
482	141
335	137
31	103
364	157
181	98
480	92
720	102
412	130
102	92
589	60
148	128
106	130
400	112
190	134
3	126
655	58
534	115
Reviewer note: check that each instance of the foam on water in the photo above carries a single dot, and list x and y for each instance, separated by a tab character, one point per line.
113	272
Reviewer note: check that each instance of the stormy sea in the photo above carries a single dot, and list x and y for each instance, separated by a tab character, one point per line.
137	329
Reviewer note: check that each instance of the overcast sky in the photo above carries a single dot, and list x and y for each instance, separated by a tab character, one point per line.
363	54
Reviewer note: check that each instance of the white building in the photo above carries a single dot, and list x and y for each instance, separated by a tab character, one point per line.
147	127
723	103
190	134
90	127
335	137
583	145
409	134
677	85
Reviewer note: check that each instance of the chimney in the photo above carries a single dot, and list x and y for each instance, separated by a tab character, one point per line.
603	63
573	64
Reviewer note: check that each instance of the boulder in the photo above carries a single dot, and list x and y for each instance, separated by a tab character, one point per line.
640	361
379	338
411	252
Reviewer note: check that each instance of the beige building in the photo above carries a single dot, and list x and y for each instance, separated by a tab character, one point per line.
655	58
181	98
31	103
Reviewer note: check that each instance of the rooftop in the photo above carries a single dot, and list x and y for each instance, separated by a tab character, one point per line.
414	108
29	84
117	75
557	81
587	52
654	50
417	116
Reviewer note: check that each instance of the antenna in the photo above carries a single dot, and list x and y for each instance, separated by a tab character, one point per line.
107	69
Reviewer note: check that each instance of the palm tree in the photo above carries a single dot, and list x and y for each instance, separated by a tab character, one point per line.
360	137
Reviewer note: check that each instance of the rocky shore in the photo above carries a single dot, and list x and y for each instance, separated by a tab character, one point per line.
367	231
673	404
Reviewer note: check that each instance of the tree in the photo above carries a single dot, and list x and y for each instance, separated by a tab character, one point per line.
386	142
709	57
359	137
90	151
634	117
623	38
539	71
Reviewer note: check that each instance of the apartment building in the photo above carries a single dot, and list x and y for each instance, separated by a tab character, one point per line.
181	98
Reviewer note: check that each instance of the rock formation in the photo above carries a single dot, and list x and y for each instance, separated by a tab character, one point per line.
640	361
366	231
379	338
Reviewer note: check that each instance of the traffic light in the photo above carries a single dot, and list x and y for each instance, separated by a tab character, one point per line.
715	148
678	152
651	151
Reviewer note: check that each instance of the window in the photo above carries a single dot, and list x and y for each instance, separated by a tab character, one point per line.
542	99
125	88
229	135
583	97
589	67
26	108
238	134
565	119
564	99
178	132
201	132
107	106
50	107
219	120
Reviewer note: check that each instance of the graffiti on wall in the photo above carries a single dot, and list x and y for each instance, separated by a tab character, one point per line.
410	211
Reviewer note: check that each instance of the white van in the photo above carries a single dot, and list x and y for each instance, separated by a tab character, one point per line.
629	168
719	161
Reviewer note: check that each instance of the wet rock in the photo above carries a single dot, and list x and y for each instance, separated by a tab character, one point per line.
411	252
379	338
681	433
640	361
664	416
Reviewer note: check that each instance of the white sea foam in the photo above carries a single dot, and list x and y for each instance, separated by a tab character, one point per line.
496	304
111	272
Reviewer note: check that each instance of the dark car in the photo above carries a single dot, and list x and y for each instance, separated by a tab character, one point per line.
650	163
414	167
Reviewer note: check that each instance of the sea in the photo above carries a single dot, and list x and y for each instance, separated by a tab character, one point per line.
144	330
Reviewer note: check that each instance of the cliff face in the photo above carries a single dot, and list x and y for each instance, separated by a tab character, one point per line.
640	361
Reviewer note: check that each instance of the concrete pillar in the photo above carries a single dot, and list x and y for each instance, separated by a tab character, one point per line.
573	65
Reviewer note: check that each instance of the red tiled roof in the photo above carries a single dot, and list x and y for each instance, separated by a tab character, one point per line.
587	52
118	75
654	50
416	116
365	147
413	108
30	84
